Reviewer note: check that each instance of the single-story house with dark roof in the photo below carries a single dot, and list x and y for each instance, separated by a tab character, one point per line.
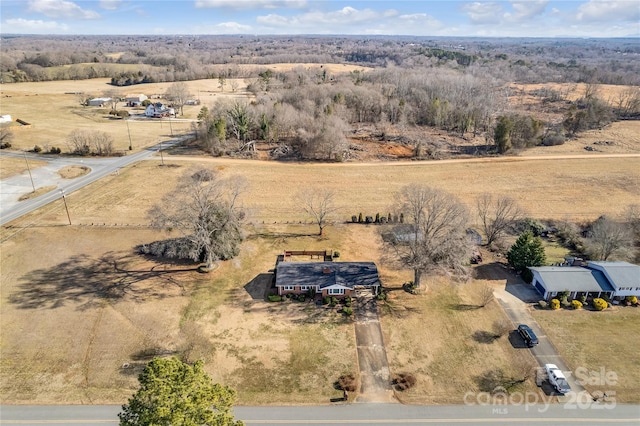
338	279
577	280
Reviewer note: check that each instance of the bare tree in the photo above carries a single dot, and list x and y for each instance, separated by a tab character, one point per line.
204	209
501	327
434	238
486	295
496	215
609	238
320	205
178	94
114	96
90	142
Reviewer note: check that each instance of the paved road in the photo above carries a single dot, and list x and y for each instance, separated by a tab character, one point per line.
354	414
13	187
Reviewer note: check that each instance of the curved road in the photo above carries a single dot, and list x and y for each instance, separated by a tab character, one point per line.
10	209
100	168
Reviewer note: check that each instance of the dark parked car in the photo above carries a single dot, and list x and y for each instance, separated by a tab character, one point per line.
528	335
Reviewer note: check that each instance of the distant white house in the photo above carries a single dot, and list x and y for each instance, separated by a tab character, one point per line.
5	119
99	102
159	110
135	100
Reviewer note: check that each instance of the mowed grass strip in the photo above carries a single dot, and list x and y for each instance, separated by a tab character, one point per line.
600	342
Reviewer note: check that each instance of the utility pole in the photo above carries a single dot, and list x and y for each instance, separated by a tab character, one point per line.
64	198
29	169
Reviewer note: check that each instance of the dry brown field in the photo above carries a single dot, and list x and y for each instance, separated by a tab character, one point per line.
78	305
82	313
601	343
54	111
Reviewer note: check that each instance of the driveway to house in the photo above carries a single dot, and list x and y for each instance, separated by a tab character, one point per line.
375	378
515	297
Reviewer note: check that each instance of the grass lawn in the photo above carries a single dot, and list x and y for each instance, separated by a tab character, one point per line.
598	340
432	336
79	323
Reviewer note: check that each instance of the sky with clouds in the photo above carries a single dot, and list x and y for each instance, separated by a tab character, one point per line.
524	18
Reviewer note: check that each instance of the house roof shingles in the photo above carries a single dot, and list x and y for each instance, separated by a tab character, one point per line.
573	278
327	274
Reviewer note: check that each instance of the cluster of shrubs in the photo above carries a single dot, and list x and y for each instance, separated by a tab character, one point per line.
327	300
288	296
347	382
598	304
4	145
403	381
55	150
379	219
121	113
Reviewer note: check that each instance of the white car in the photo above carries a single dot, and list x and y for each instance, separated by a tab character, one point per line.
557	378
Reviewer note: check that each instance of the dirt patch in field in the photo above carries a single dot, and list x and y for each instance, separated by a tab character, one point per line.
72	172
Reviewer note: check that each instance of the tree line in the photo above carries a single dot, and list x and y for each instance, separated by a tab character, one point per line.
174	58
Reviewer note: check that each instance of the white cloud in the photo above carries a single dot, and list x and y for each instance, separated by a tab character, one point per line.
350	20
345	20
483	13
252	4
32	26
233	28
61	9
110	4
527	9
601	10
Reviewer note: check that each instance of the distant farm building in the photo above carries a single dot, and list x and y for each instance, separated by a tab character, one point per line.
99	102
135	100
192	102
159	110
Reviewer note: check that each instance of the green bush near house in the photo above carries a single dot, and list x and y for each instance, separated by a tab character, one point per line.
555	304
274	298
576	304
347	310
632	299
600	304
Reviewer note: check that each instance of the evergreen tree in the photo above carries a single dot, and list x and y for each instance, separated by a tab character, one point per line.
178	394
525	252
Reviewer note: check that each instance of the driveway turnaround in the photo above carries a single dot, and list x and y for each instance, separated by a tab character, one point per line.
375	378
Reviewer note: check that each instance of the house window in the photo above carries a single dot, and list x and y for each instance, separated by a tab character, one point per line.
336	291
288	288
304	288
